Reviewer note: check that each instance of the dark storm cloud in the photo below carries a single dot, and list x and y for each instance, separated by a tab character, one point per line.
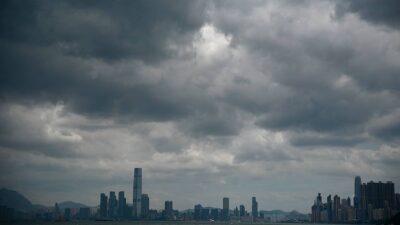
304	140
323	81
378	12
103	29
42	75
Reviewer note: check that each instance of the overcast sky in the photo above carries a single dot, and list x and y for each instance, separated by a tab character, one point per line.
274	99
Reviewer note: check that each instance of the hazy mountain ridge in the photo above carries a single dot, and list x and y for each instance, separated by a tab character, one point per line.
17	201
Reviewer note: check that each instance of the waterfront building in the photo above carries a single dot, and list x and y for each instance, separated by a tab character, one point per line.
197	212
145	205
242	211
214	214
137	193
112	205
225	208
121	204
254	208
357	192
103	205
168	210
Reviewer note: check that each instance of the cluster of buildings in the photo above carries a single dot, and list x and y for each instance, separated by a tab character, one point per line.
114	208
373	201
225	214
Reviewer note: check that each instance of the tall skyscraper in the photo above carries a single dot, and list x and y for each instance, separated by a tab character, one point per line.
121	204
336	209
357	192
225	208
254	208
137	193
168	209
329	207
145	205
112	205
242	210
103	205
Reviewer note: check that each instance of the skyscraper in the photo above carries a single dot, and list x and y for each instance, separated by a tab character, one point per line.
137	193
357	192
103	205
329	207
336	216
225	208
254	208
168	210
112	205
121	204
145	205
242	210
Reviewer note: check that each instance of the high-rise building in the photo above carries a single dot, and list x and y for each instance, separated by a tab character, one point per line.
205	214
214	214
103	205
145	205
168	210
112	205
197	212
336	215
329	208
236	211
137	193
121	204
357	192
254	208
242	211
378	193
225	208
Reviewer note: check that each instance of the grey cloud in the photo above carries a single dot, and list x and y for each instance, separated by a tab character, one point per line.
387	127
101	29
23	129
316	140
378	12
264	156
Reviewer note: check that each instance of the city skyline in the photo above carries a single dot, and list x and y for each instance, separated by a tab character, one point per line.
278	100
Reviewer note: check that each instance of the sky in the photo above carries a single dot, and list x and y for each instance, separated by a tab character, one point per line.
274	99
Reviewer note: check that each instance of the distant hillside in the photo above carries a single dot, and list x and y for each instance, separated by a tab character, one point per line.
69	204
15	200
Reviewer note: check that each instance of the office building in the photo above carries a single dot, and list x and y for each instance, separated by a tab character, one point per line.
112	205
225	208
145	205
214	214
254	208
197	212
103	205
336	213
137	193
242	211
357	192
205	214
168	210
121	204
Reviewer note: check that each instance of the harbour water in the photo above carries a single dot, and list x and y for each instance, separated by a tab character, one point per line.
149	223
